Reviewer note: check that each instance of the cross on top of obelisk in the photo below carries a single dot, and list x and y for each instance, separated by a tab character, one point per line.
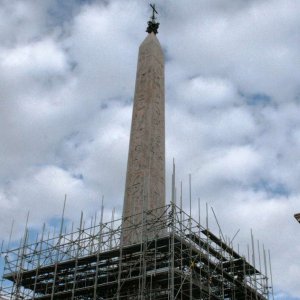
152	24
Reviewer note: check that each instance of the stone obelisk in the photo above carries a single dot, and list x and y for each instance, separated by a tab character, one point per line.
145	178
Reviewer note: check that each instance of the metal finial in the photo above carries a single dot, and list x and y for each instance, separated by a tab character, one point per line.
152	24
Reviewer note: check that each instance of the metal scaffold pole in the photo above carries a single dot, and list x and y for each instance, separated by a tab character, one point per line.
175	259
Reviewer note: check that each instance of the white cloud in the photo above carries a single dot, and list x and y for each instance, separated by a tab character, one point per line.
207	92
67	76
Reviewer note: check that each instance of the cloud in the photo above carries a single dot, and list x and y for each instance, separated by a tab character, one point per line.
67	73
209	92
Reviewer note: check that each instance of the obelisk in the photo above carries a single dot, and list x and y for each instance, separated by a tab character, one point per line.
145	178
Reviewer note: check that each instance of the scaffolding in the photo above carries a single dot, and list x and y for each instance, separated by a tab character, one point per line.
180	260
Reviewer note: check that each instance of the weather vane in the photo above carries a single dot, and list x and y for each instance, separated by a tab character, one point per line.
152	24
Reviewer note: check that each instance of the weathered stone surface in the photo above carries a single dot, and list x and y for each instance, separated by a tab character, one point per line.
145	179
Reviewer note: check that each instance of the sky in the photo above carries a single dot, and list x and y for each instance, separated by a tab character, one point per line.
67	75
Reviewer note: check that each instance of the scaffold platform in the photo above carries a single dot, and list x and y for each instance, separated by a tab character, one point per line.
180	260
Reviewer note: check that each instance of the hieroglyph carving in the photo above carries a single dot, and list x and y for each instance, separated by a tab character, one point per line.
145	179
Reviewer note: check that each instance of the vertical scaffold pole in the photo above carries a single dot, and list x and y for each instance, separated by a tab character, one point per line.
58	249
190	196
259	262
10	234
39	261
22	258
181	206
208	256
248	267
266	272
190	233
173	183
7	249
172	240
120	265
112	229
99	249
200	247
254	264
271	275
76	256
181	238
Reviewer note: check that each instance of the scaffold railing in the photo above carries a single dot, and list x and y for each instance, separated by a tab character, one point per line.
175	258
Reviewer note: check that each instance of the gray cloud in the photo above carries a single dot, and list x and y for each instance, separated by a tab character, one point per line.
67	76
